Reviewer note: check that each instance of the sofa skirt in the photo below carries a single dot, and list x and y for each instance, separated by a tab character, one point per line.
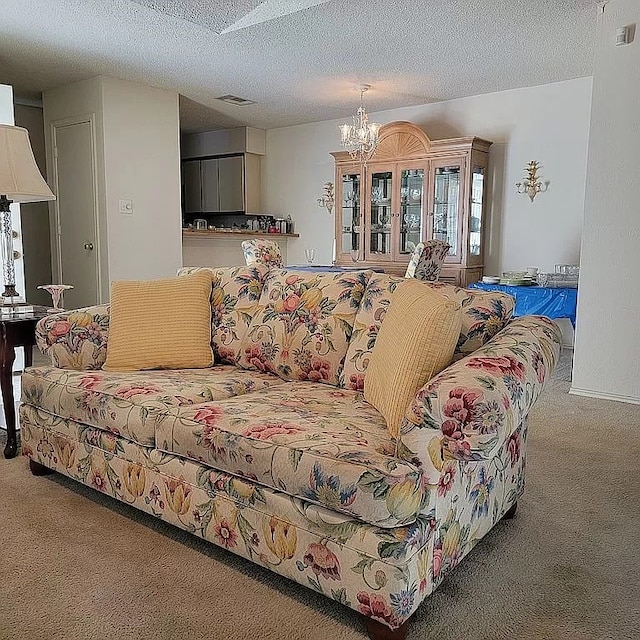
382	573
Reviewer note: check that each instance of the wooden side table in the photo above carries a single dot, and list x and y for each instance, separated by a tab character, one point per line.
16	330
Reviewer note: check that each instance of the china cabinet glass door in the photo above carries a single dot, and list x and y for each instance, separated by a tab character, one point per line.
411	218
381	184
446	205
477	210
350	205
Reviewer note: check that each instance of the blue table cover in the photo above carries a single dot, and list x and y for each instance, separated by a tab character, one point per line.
553	302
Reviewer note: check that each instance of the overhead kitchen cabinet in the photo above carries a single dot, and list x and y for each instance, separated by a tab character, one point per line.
221	171
224	184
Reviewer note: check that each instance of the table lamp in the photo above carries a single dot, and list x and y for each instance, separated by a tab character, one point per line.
20	181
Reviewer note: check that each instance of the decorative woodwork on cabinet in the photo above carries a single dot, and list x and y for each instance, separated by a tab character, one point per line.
415	189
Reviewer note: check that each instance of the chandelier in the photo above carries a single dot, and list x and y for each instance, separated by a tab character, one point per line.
360	139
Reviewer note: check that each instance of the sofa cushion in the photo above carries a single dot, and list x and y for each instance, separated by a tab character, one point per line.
130	404
160	324
314	442
303	324
234	298
484	313
416	341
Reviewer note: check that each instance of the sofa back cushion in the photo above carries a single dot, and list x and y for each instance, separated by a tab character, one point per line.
484	313
303	323
234	299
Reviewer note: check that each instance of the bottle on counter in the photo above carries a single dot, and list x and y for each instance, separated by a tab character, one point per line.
289	224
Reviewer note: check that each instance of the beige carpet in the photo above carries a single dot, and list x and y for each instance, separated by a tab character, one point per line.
77	565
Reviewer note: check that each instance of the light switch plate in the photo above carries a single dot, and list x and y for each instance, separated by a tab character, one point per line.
126	206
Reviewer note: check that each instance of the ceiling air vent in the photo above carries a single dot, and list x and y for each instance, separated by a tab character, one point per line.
240	102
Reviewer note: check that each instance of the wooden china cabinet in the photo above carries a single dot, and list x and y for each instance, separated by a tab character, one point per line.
415	189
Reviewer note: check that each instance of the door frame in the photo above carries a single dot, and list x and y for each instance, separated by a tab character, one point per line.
56	248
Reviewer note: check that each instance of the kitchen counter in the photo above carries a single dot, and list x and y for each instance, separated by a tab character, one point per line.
222	248
223	233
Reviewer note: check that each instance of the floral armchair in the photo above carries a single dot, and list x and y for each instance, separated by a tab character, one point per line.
426	260
261	251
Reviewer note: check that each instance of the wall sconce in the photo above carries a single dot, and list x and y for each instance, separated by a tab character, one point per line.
327	200
532	185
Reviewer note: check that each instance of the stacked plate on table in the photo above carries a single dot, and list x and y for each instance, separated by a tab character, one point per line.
490	279
517	278
517	282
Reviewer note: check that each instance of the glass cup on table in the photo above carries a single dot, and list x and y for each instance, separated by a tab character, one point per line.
355	255
310	255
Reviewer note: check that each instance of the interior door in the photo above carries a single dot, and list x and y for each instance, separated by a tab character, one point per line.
76	213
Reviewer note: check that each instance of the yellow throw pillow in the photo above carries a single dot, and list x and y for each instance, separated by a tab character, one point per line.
160	324
416	341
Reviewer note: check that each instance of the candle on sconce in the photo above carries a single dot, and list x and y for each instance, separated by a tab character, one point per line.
333	252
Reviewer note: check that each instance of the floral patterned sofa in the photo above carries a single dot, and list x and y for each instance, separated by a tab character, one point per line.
273	453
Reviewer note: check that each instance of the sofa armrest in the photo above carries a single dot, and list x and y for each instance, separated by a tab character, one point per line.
75	339
477	402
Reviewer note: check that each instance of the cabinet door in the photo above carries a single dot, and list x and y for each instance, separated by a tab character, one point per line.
475	248
209	175
411	223
191	185
447	205
231	184
348	214
380	198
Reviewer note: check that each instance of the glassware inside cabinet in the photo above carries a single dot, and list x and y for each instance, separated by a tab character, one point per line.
380	229
350	212
477	199
411	207
445	208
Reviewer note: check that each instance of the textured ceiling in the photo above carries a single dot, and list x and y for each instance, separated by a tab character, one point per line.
222	16
298	59
216	15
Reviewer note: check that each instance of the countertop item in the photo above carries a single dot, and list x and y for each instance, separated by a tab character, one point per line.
219	233
515	282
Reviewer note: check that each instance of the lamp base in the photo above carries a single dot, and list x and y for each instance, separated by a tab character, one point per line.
6	242
10	291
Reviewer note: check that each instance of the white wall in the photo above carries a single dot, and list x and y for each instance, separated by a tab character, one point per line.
607	356
138	158
34	216
549	123
77	100
142	163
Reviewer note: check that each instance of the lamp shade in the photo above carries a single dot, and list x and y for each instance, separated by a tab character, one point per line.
20	178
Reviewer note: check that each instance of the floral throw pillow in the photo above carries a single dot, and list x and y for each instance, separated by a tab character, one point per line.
303	324
234	299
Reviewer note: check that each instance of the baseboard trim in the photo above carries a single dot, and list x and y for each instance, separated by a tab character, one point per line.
575	391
